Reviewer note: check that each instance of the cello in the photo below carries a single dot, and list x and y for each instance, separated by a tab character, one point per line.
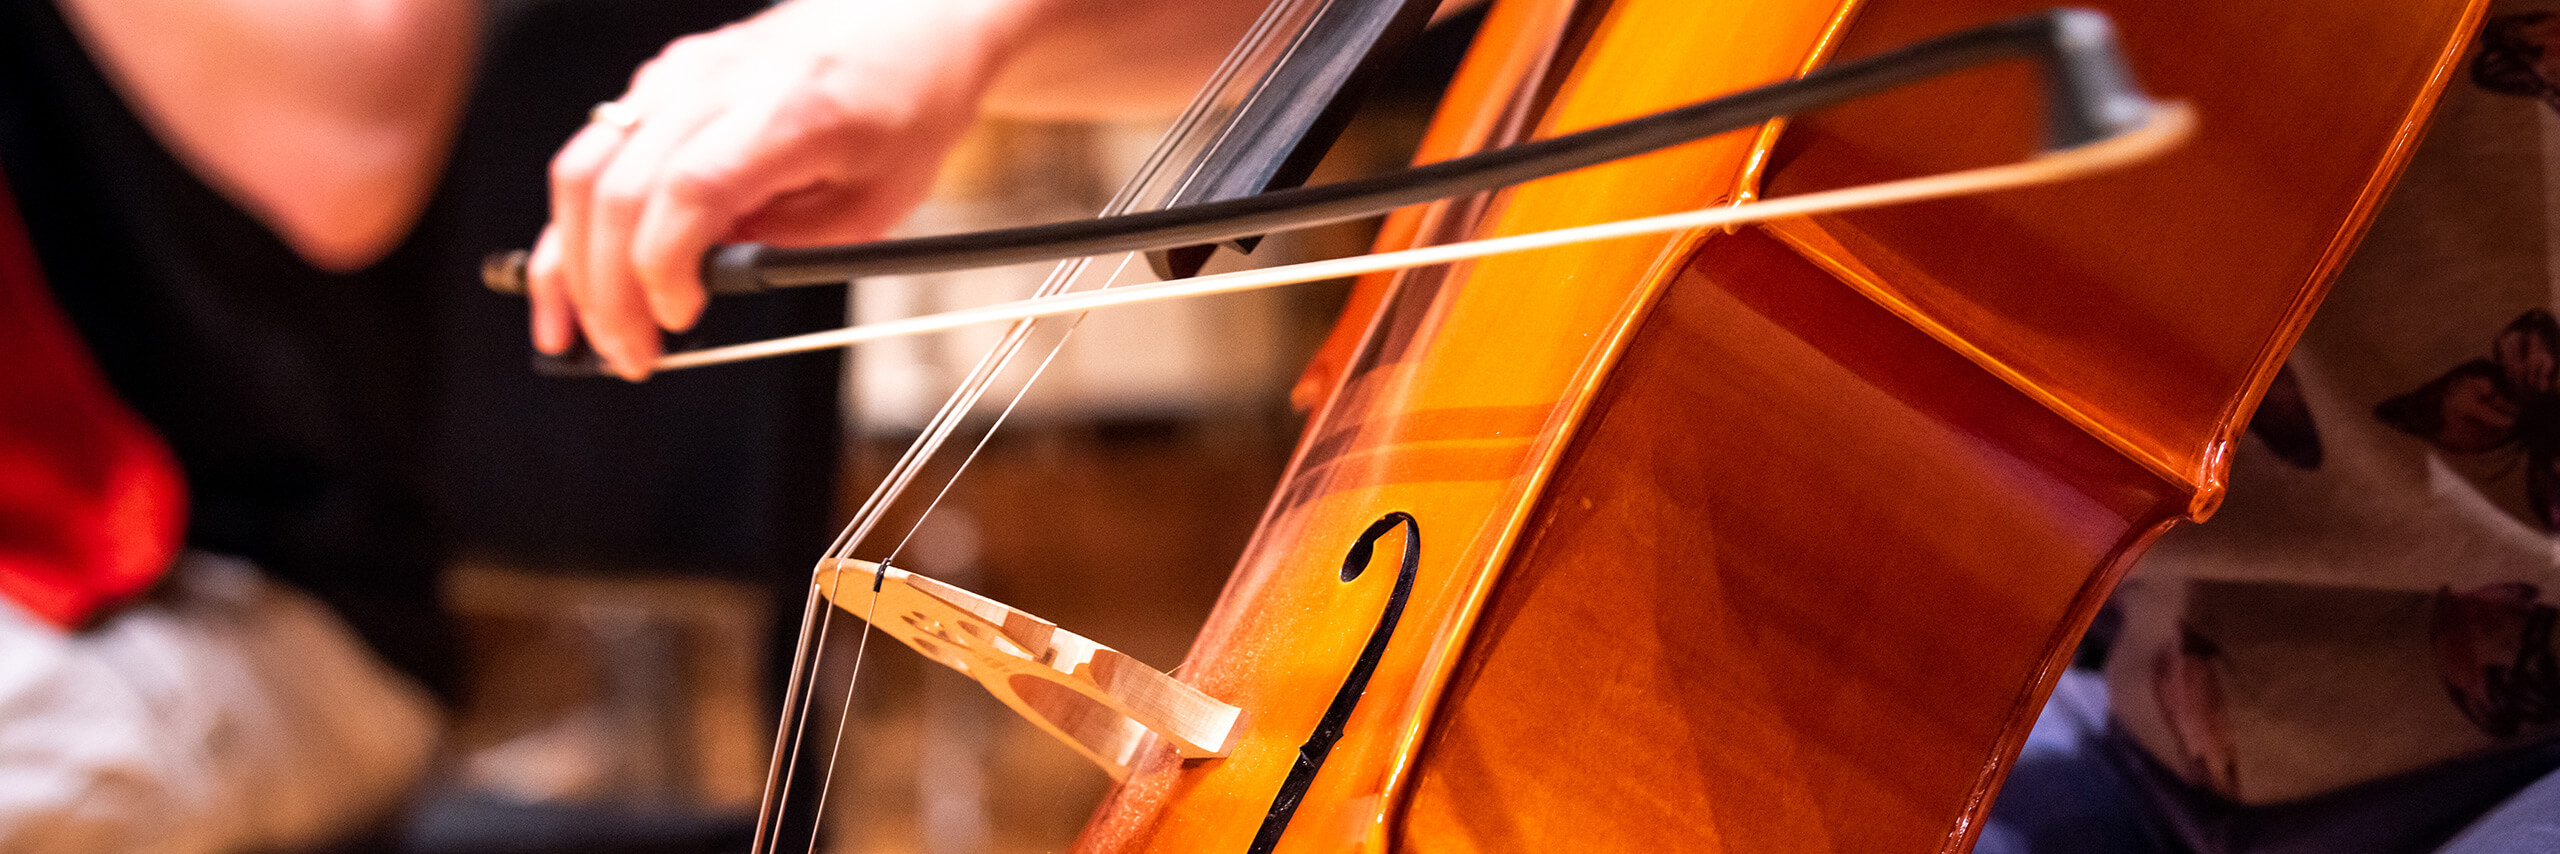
1770	538
1829	529
1784	549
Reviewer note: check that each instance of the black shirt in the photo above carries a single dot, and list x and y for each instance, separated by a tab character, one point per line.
349	432
293	398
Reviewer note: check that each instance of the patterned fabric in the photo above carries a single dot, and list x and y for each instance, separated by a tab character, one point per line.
2377	595
91	503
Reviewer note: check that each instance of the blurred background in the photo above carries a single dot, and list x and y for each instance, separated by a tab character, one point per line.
630	560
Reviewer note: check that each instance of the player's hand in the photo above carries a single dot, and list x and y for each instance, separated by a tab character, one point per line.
816	121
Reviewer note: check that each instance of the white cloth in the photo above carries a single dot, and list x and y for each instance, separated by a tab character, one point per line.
226	713
2378	593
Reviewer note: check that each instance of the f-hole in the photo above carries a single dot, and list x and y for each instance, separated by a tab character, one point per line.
1319	744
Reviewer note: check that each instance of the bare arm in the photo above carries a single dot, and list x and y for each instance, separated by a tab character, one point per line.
1101	59
822	121
328	120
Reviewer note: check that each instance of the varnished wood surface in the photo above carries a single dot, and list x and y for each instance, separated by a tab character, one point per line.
2142	303
1451	414
1716	637
1785	564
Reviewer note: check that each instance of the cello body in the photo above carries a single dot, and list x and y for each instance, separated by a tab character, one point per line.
1776	539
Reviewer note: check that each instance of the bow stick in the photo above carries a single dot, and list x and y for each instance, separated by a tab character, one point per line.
2097	118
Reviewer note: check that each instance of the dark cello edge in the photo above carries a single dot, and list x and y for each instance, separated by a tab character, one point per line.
2213	473
1296	112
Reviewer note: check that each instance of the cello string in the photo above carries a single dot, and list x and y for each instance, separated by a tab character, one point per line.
817	822
926	447
1060	280
870	610
1006	413
803	669
911	466
805	663
1184	130
2166	129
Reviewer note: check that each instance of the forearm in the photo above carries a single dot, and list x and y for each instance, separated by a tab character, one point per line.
328	120
1085	59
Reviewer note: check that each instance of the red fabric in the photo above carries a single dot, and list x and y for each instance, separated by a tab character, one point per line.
92	504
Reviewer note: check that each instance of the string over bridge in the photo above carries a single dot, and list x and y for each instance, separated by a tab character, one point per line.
1101	702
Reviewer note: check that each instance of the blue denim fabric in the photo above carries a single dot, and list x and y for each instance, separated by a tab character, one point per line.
2066	793
2082	787
2530	821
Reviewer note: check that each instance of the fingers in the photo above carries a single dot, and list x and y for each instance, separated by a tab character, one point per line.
553	319
558	268
723	170
681	222
614	304
622	287
820	121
